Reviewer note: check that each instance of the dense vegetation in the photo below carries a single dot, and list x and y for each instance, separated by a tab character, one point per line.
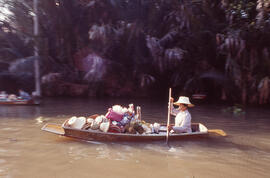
142	47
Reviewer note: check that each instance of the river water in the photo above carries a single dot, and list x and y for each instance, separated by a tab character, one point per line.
26	151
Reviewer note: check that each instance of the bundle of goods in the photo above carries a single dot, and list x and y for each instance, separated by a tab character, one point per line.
117	120
121	114
142	128
99	123
12	97
3	96
124	120
76	122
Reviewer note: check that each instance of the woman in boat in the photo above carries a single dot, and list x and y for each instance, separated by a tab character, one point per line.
24	95
183	117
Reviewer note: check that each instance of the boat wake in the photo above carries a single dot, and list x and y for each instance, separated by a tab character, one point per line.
172	150
95	142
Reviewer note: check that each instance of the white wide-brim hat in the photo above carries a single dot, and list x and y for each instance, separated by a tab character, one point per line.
104	126
77	122
184	100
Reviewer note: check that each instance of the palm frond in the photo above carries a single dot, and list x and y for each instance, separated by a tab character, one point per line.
96	66
146	80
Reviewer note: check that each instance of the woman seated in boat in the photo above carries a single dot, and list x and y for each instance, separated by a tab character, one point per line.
24	95
3	95
183	117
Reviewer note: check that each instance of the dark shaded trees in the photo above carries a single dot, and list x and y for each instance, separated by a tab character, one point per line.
216	47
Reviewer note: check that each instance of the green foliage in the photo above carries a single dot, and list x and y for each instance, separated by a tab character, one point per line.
245	43
179	43
236	110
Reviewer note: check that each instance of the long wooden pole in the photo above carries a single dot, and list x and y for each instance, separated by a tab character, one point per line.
169	114
36	51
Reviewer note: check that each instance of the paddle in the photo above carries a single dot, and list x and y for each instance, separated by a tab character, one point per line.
218	132
168	119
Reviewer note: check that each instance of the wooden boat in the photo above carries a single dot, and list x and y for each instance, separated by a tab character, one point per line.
198	130
198	96
19	102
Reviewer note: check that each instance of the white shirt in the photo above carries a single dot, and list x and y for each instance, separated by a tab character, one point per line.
182	120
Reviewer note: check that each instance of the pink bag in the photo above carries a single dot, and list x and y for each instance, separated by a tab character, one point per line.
113	116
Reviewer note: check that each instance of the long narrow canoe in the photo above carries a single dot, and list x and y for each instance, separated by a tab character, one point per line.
198	130
19	102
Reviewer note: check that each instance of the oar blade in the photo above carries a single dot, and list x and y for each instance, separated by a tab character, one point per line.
218	132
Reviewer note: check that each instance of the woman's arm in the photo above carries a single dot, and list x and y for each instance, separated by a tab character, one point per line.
173	110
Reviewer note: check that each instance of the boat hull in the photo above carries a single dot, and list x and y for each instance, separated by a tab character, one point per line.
22	102
198	131
115	137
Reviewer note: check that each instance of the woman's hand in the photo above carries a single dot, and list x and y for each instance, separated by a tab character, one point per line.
170	102
170	127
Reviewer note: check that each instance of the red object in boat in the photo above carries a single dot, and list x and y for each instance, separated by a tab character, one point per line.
115	129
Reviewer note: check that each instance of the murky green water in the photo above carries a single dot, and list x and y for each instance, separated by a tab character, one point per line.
26	151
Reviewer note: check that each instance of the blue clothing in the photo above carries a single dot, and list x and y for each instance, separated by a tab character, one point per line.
24	95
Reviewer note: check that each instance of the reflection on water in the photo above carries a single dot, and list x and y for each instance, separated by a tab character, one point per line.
26	151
